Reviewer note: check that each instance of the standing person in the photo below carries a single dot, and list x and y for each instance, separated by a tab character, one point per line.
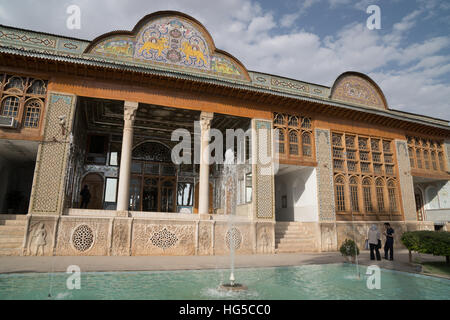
374	236
85	196
389	245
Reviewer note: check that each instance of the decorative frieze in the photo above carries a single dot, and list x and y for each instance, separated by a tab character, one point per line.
325	188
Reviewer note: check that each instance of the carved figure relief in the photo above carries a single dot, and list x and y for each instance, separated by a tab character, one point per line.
38	238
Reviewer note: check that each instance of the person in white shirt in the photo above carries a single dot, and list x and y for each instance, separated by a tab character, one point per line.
374	239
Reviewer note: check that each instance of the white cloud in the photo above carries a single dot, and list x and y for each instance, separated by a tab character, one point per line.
409	74
288	19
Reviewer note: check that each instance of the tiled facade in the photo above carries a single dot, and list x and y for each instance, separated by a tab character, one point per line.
56	227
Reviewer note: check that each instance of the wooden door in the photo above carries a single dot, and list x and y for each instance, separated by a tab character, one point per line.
419	206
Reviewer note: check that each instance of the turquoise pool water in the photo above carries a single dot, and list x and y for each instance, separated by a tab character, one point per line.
333	281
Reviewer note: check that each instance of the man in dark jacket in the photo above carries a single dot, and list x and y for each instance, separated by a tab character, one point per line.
389	245
85	197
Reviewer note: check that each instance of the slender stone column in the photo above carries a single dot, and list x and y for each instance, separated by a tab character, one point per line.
203	199
123	197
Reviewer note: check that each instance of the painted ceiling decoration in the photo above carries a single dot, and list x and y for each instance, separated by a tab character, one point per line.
357	88
169	39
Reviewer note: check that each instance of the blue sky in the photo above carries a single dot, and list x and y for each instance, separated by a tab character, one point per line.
308	40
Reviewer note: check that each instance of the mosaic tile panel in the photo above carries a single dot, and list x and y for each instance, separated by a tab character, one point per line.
264	174
47	195
173	41
324	169
356	89
406	181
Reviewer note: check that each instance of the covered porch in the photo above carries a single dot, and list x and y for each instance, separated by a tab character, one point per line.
123	152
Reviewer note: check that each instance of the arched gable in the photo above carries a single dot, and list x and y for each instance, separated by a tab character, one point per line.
355	87
171	39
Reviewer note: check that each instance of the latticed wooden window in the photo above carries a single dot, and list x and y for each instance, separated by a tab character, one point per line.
424	153
306	123
338	164
351	155
337	139
388	158
386	146
364	156
306	144
362	143
37	87
350	142
355	156
293	142
433	160
15	84
296	140
279	119
419	158
367	190
340	193
351	165
376	157
441	161
338	153
280	140
426	159
32	113
380	194
375	144
392	195
22	98
411	157
389	169
10	106
365	167
293	121
378	168
354	194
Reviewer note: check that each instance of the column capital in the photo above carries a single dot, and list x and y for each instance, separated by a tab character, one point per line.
205	120
129	110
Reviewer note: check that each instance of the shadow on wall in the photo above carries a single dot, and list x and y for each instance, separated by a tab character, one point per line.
15	186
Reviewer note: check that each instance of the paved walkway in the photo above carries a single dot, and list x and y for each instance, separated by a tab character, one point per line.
147	263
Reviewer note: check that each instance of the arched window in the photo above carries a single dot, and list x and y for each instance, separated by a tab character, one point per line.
10	106
306	144
426	159
354	193
380	194
367	192
280	140
306	123
441	161
433	160
32	113
340	193
279	119
419	158
411	157
293	142
293	121
392	192
37	87
15	84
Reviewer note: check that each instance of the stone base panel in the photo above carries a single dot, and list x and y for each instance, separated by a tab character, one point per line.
128	236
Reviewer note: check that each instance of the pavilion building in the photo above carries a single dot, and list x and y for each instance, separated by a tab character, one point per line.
102	113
